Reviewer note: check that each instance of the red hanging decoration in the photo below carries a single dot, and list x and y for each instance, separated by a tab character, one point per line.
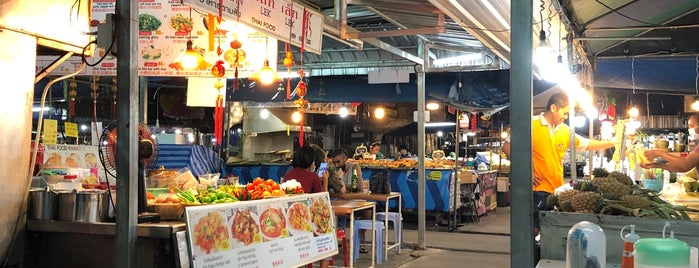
218	113
473	122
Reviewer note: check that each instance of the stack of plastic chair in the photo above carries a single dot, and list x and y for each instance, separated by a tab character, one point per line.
366	225
397	220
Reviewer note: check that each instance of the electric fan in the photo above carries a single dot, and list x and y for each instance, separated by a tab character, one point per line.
147	155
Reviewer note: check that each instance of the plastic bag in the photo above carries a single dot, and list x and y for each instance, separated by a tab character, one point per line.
209	179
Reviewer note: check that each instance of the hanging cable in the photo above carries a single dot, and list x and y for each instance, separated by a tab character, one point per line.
696	78
633	77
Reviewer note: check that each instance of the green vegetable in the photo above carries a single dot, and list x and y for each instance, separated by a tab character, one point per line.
148	23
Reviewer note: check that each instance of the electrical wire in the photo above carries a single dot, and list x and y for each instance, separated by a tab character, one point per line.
624	15
77	16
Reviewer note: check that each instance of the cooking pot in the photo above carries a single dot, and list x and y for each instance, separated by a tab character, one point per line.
42	204
88	205
66	205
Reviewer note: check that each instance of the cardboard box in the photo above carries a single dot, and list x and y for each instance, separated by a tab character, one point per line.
467	176
503	184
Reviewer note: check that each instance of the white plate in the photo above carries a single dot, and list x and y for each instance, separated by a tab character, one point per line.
254	217
281	226
293	231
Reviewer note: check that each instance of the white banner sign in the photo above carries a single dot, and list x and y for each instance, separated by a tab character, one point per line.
277	232
273	18
164	29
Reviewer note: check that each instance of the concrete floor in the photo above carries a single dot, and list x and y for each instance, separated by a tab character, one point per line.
482	244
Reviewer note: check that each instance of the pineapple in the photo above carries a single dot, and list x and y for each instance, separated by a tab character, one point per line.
635	201
610	188
621	178
589	202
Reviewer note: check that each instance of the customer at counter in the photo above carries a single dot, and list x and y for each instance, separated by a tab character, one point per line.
551	139
306	162
403	152
344	168
303	170
375	149
675	163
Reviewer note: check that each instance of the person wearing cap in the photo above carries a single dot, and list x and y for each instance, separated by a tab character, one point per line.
375	150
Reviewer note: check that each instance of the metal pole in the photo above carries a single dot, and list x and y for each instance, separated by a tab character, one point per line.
421	155
455	173
571	123
143	99
522	240
127	132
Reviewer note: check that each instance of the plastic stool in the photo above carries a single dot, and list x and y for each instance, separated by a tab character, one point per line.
366	225
397	220
345	251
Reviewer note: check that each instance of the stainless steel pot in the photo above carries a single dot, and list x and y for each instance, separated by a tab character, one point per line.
42	204
66	205
107	208
87	205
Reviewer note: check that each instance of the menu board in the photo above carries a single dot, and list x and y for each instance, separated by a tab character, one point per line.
277	232
165	26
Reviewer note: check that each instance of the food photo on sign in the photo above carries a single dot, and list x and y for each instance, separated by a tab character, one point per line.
299	218
273	222
245	228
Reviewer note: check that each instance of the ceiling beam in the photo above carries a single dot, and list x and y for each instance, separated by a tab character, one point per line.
394	5
339	29
411	31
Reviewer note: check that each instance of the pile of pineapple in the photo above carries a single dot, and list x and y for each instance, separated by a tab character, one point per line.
616	194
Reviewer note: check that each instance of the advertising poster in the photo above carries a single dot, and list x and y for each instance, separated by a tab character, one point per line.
165	26
276	232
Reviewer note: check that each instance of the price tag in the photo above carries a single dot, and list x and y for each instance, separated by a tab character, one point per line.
71	129
50	131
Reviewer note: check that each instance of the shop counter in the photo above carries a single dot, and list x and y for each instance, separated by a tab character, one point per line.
247	173
78	244
439	190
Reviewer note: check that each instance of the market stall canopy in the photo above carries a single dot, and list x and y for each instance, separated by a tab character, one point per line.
653	39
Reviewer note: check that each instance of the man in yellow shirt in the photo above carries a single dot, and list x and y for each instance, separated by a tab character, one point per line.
550	140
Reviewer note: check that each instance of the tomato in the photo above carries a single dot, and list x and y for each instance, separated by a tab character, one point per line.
270	182
258	180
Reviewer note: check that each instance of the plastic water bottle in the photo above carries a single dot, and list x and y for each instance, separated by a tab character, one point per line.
629	240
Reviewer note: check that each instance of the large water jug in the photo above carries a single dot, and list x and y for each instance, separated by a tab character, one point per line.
586	246
661	253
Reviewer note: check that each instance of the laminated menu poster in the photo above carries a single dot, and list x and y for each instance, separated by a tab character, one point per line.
164	27
277	232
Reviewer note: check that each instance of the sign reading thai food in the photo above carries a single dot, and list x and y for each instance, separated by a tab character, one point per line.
284	20
277	232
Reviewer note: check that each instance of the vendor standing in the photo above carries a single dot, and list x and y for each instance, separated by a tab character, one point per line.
550	140
375	149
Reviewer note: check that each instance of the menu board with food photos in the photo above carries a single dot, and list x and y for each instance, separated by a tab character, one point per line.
164	27
276	232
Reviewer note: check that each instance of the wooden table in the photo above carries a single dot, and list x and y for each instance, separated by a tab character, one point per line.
377	197
347	208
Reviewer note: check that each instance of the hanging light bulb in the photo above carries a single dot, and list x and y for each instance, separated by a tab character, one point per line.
190	59
633	112
296	117
344	112
432	106
695	105
379	113
264	114
266	75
